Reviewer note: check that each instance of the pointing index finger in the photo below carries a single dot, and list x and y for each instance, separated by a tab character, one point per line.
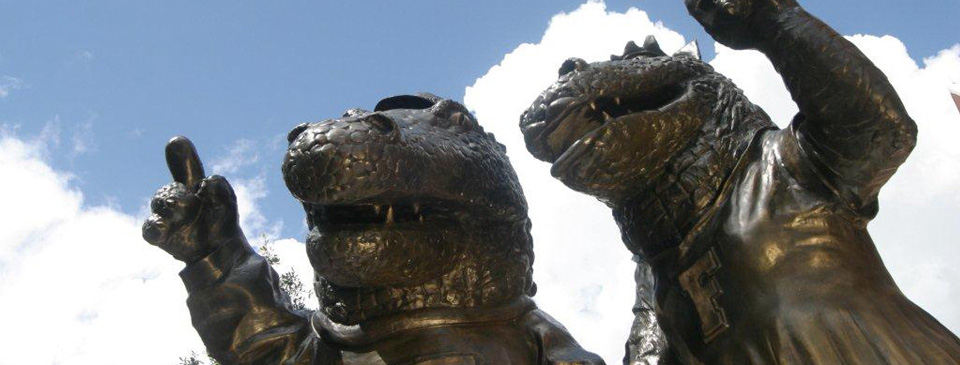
184	162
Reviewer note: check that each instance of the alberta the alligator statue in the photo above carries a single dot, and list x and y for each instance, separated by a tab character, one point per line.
419	238
757	236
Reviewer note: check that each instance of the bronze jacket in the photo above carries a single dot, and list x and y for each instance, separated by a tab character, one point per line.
781	269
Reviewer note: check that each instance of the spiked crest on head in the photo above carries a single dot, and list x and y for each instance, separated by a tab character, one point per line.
651	48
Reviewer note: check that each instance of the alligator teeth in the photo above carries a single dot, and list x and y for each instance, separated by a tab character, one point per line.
421	219
593	105
616	100
389	215
376	209
605	115
416	208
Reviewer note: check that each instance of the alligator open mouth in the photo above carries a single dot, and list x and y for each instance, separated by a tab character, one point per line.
385	216
572	119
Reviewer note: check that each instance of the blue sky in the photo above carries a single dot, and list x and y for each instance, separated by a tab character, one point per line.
122	77
91	91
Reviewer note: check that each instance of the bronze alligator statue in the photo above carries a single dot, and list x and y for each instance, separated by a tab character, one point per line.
419	238
757	236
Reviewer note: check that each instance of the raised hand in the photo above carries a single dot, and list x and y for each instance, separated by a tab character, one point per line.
739	24
192	216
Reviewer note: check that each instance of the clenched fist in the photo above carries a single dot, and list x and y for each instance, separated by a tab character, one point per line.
192	216
739	24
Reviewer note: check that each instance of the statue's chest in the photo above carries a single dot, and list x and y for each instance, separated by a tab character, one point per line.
762	246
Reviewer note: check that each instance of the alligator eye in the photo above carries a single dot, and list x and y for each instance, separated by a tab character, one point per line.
403	102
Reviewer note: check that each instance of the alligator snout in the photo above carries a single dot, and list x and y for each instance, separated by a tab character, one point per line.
330	156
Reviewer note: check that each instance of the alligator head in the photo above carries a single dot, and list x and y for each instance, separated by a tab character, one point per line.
647	133
409	206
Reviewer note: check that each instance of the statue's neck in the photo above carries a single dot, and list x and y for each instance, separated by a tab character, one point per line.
376	329
660	216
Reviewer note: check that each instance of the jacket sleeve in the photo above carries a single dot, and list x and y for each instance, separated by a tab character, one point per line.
242	314
852	124
647	344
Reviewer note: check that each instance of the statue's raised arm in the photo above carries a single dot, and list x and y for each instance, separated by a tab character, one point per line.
851	124
235	299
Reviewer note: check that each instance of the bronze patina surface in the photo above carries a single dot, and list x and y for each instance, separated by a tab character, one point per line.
419	238
757	236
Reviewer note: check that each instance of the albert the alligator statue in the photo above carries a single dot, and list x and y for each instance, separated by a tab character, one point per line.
419	238
757	237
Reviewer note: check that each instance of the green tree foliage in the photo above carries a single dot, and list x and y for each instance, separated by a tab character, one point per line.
289	281
195	359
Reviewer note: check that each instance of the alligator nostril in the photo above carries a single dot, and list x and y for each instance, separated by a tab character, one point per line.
296	132
381	122
463	120
573	64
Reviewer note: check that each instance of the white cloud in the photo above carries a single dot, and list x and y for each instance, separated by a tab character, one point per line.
8	84
24	173
78	284
49	139
249	191
955	91
84	55
584	274
240	154
82	140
